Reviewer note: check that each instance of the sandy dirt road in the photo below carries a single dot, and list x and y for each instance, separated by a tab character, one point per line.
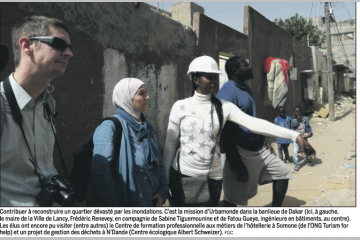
328	178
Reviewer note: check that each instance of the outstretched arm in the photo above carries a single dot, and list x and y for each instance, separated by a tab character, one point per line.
263	127
257	125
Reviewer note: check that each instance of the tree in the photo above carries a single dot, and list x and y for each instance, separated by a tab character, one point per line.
301	29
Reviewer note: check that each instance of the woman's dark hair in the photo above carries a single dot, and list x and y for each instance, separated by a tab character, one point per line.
214	102
218	107
193	75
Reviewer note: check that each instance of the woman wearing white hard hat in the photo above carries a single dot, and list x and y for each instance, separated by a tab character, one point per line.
194	125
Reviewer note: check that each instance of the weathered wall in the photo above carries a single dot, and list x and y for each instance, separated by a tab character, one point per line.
344	50
184	12
303	61
268	40
110	41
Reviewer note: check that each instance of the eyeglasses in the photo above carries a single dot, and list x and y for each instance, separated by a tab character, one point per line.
54	42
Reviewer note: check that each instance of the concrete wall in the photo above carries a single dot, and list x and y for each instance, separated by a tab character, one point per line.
184	12
268	40
344	50
215	38
349	82
321	79
110	41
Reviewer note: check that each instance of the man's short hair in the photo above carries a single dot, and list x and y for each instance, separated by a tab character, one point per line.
31	27
231	63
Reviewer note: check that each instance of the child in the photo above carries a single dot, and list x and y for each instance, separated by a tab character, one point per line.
300	124
283	144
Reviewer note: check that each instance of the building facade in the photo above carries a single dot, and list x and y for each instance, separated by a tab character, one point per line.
343	48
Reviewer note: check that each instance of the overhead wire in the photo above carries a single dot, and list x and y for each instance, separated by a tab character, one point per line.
312	4
339	33
335	6
341	42
344	6
320	8
314	20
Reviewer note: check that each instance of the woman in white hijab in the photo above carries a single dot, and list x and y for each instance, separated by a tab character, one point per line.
139	178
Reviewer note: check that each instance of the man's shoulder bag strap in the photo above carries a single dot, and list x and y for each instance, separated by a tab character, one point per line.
15	110
2	113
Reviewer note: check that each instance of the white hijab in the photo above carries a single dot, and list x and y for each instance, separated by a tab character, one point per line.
123	94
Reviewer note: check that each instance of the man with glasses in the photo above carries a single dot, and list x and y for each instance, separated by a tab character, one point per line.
248	163
42	50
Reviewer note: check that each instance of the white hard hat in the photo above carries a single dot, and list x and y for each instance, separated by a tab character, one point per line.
203	64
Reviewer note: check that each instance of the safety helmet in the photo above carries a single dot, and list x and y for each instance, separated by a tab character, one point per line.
203	64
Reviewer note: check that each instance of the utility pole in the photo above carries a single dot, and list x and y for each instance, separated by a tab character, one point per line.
308	40
329	65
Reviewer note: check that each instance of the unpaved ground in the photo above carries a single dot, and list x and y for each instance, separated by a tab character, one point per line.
328	182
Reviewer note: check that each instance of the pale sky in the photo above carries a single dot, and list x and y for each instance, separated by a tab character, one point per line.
232	13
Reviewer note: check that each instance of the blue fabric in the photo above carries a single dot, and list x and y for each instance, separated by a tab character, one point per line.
145	134
140	164
243	99
286	123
